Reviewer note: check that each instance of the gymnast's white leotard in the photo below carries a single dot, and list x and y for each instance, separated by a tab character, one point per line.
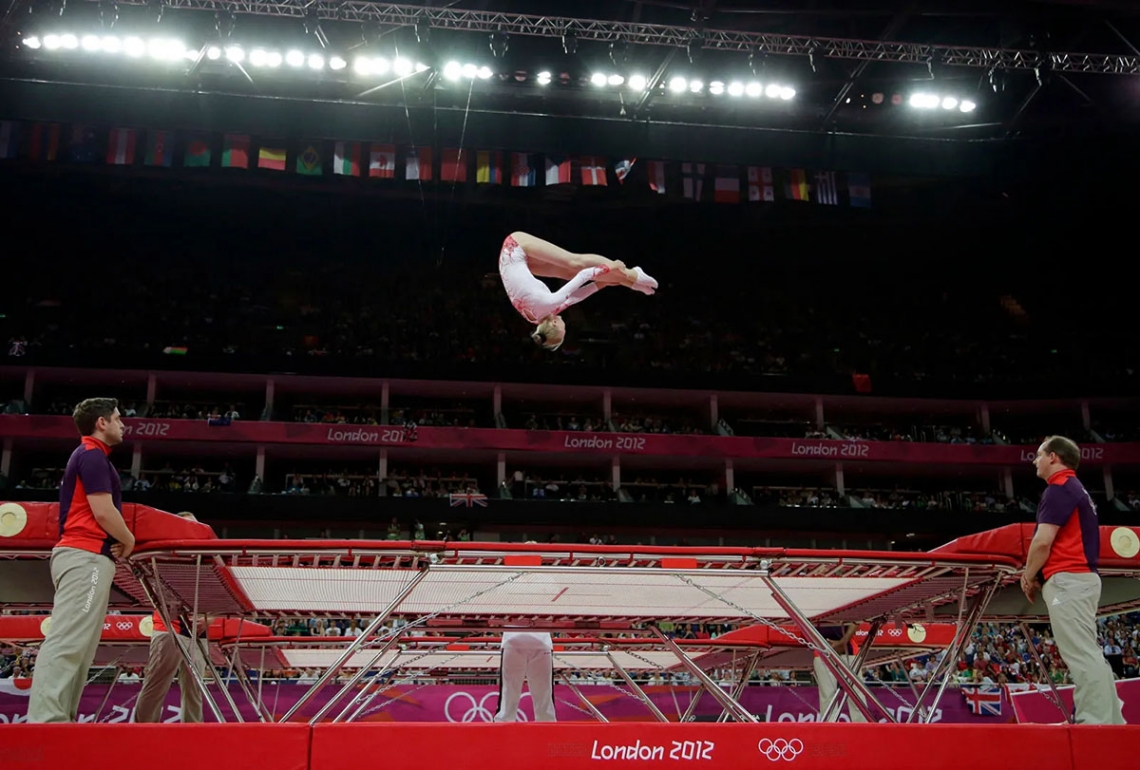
531	297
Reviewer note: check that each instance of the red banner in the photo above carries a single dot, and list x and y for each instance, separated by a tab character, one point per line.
146	430
645	744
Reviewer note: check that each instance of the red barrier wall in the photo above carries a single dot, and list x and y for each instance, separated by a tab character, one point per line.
715	746
169	747
802	746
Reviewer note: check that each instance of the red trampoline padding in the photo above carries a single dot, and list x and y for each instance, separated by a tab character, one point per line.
890	635
150	525
1097	747
170	747
232	629
803	746
1011	540
29	526
35	526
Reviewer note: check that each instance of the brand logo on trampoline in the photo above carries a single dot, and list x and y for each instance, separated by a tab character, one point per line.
780	750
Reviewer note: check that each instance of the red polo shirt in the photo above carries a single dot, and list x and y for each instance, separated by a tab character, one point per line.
89	471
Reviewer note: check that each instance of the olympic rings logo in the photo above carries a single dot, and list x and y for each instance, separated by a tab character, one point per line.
124	625
895	632
476	711
780	749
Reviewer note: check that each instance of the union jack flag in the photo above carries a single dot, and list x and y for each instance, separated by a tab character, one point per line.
984	700
468	499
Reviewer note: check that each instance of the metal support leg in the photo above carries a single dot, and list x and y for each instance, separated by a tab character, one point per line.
637	691
838	700
164	613
745	676
360	674
364	698
106	697
238	669
1056	696
338	664
692	707
592	708
981	602
724	699
204	650
842	674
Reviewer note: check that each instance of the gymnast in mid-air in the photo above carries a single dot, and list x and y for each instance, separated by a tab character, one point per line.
525	258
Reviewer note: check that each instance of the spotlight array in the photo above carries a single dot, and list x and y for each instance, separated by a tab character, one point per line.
923	101
379	66
453	70
681	84
752	89
160	49
165	49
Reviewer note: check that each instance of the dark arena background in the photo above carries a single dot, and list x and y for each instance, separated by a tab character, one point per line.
892	240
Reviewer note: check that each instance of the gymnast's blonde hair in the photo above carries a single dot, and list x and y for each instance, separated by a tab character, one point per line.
547	334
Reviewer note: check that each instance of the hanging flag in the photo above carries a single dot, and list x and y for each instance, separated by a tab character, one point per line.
693	180
557	170
453	168
9	139
382	161
271	157
726	187
984	700
235	151
121	147
593	171
524	170
159	148
825	188
82	148
346	159
859	189
44	141
622	169
760	184
197	153
309	160
657	176
488	167
417	165
467	499
797	189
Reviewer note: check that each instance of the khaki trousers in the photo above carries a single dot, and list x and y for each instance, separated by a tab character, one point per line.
82	590
1071	599
164	664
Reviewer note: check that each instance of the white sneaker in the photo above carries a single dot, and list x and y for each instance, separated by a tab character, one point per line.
645	283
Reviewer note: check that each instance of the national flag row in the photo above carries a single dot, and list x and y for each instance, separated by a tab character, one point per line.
693	181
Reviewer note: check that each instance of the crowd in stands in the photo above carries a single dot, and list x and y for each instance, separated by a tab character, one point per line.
567	485
414	299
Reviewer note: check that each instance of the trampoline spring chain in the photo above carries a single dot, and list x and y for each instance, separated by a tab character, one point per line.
761	620
642	658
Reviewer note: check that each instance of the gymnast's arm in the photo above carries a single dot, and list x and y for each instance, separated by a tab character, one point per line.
576	289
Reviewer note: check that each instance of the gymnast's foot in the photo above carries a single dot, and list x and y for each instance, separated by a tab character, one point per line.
644	283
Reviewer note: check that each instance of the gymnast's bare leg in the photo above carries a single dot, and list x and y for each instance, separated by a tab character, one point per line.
547	260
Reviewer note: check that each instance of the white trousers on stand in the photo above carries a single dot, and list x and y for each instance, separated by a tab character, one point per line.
527	656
